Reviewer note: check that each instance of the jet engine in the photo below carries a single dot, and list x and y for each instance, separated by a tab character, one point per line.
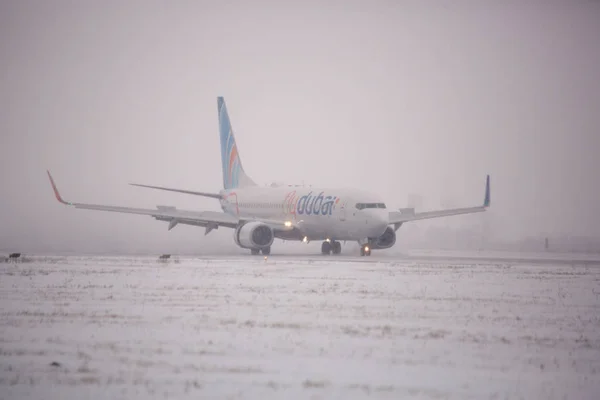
385	241
254	235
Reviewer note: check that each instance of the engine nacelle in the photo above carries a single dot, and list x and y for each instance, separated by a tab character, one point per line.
385	241
254	235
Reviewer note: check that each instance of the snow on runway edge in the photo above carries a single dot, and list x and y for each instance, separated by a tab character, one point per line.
131	327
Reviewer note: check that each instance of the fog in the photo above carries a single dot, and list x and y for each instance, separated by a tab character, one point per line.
399	98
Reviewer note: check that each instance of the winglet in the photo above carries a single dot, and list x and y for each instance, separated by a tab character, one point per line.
487	200
56	193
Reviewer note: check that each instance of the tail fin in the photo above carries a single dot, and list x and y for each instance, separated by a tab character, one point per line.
233	172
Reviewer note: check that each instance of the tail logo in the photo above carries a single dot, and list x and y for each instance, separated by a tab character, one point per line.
234	167
229	152
233	172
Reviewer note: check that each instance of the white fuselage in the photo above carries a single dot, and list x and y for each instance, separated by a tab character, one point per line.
317	214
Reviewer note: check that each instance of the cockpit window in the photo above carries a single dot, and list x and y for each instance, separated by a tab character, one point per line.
362	206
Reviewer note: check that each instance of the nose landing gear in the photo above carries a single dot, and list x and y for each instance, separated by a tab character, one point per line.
365	250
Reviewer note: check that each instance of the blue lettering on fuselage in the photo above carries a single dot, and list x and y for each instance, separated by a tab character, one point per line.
310	204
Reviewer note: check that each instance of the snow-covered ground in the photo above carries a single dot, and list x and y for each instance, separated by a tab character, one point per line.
298	327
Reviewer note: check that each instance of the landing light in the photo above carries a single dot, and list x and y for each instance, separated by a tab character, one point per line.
328	240
366	248
288	223
305	239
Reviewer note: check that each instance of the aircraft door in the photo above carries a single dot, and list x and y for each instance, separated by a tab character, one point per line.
343	212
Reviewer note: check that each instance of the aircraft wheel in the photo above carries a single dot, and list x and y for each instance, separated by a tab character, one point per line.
266	251
326	248
336	247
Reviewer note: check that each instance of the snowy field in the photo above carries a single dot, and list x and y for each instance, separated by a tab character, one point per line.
300	327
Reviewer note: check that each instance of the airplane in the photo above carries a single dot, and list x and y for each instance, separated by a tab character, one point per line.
260	214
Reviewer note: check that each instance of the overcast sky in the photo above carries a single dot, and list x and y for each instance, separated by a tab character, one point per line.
395	97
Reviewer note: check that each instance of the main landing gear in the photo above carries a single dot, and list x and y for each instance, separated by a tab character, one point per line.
365	250
333	246
266	251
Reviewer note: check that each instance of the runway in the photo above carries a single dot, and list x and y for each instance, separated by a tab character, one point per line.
299	326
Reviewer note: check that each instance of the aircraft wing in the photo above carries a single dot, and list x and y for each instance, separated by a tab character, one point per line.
208	219
408	214
205	194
